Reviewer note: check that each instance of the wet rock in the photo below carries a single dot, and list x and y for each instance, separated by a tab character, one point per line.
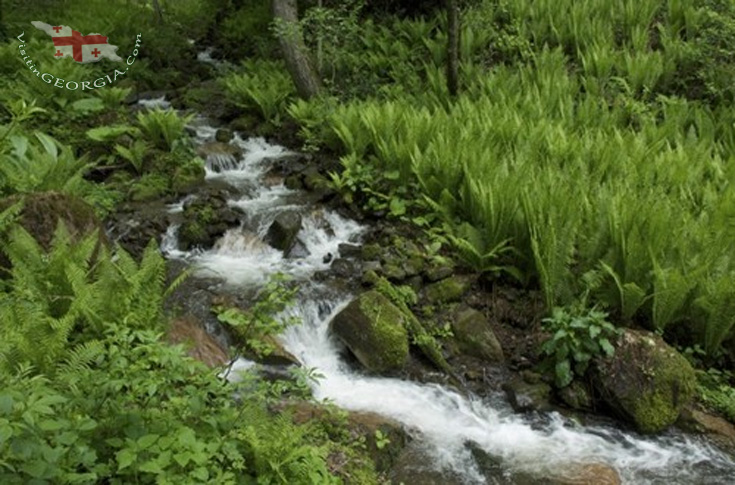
583	474
646	381
187	177
224	154
223	135
436	273
347	250
576	396
413	266
415	466
371	252
448	290
526	397
199	344
245	123
494	471
206	219
719	430
282	232
374	331
384	437
370	277
343	268
293	182
393	272
369	426
314	180
474	336
327	258
299	250
277	355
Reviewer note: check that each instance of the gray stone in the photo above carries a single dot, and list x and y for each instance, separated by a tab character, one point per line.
282	232
474	336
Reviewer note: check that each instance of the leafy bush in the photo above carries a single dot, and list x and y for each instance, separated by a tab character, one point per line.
264	87
716	391
578	336
163	128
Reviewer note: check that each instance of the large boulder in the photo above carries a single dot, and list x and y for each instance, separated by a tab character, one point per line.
645	381
283	231
199	344
374	330
475	337
206	219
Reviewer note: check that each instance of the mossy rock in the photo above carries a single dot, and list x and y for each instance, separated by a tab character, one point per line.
205	220
149	187
474	336
646	381
188	177
374	330
448	290
42	211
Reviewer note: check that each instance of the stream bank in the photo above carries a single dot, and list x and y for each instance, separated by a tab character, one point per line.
265	214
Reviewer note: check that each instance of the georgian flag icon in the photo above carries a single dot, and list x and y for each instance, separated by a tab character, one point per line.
81	48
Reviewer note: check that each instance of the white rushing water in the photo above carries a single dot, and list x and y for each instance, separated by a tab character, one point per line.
441	418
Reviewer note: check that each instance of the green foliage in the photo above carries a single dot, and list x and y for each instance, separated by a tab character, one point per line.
715	389
256	327
578	336
146	413
76	285
264	87
163	128
41	164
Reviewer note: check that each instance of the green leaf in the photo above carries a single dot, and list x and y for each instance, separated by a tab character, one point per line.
125	458
563	373
151	466
108	133
607	347
6	404
397	206
87	105
147	441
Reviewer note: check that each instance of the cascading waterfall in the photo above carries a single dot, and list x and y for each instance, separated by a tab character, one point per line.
444	420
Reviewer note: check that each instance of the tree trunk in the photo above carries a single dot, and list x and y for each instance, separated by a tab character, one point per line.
3	34
453	47
157	10
295	53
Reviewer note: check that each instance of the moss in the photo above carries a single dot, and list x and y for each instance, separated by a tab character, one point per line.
646	381
673	383
387	329
447	290
149	187
188	176
371	252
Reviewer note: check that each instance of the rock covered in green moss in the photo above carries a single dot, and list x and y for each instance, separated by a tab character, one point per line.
206	219
646	381
374	330
188	176
448	290
475	337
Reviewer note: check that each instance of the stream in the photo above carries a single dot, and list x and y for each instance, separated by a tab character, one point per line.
440	419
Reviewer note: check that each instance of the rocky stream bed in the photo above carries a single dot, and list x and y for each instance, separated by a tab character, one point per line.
474	411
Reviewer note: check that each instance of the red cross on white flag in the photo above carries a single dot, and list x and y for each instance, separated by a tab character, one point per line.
81	48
